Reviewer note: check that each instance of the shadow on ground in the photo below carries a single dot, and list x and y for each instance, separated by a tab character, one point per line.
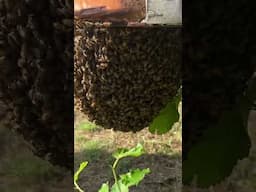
21	171
165	173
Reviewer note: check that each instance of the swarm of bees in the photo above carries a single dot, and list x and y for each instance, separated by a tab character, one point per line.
36	76
124	76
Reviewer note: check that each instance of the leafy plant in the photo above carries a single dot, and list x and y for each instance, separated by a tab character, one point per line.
167	117
222	145
124	181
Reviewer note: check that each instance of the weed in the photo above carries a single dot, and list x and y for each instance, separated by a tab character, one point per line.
124	181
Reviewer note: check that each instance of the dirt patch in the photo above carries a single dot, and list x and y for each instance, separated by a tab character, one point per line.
165	173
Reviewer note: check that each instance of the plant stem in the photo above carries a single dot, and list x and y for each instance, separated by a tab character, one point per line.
115	175
78	188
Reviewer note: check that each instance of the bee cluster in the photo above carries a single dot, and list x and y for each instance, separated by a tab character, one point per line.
36	75
124	76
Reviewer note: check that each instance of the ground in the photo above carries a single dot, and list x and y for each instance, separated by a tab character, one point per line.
96	144
21	171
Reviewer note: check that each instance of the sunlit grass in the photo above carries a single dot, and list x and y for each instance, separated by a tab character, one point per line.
86	125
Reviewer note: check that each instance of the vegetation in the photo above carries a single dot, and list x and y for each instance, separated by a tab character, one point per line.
122	182
213	159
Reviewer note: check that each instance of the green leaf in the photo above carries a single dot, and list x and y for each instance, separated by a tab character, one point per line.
222	145
134	177
81	168
133	152
215	156
123	187
104	188
167	117
129	179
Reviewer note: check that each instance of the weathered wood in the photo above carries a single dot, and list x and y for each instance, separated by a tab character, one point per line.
90	11
103	14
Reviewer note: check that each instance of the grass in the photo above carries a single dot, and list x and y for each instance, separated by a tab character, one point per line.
86	125
22	167
93	150
95	139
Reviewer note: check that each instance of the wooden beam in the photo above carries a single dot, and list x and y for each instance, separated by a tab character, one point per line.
102	13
